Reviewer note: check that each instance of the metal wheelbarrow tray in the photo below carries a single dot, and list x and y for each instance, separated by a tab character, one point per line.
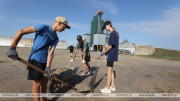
63	73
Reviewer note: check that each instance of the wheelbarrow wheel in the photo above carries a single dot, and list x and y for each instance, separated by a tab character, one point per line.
53	86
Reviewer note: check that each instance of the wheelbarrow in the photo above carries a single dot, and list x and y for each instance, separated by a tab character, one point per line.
63	73
56	83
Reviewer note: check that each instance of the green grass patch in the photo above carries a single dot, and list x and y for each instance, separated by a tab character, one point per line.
166	54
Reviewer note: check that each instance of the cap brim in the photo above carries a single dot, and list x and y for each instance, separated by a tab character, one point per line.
79	39
68	27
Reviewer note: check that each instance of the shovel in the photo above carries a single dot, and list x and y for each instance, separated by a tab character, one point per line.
75	69
43	72
98	57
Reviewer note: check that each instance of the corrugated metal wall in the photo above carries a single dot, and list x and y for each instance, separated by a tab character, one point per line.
87	38
27	42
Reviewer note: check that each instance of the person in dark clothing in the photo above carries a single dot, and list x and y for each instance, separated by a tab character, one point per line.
112	51
71	48
84	48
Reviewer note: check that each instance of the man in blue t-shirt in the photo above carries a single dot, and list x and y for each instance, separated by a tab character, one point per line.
45	37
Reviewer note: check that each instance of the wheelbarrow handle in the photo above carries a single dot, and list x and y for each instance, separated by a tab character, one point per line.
43	72
30	65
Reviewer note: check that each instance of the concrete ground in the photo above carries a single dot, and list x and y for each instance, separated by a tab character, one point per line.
134	74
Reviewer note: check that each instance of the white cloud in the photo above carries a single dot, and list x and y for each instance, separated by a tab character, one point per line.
37	21
79	26
2	18
168	26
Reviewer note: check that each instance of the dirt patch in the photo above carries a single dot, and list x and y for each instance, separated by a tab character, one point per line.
82	88
166	89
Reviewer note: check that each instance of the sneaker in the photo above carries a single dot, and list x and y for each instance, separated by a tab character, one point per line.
89	73
83	74
112	88
105	90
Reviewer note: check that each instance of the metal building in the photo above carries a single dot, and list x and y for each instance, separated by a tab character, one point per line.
28	42
24	42
97	36
87	38
99	39
96	25
127	48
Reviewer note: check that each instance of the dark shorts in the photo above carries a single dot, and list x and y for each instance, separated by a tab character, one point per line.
106	53
71	51
32	73
87	58
110	63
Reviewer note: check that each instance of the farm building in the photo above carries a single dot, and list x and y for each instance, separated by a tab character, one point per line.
97	37
126	47
144	50
27	42
132	49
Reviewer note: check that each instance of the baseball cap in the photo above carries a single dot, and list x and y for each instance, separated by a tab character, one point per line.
63	20
106	23
79	37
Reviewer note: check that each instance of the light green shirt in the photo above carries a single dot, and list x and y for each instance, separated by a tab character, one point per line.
82	47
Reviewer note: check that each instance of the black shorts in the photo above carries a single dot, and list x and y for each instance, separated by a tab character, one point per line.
106	53
32	73
87	58
71	51
110	63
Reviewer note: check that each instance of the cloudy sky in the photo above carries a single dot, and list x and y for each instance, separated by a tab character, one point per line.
144	22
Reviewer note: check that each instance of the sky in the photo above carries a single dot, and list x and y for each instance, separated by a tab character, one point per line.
143	22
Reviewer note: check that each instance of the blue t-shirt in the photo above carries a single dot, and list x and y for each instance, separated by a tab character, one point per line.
43	36
113	52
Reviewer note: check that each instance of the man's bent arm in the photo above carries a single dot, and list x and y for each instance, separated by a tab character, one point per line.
75	54
20	33
84	53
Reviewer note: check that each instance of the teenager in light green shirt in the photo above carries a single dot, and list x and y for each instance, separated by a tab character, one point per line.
84	47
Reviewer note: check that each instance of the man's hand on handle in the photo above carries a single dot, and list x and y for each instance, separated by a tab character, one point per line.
12	53
48	75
